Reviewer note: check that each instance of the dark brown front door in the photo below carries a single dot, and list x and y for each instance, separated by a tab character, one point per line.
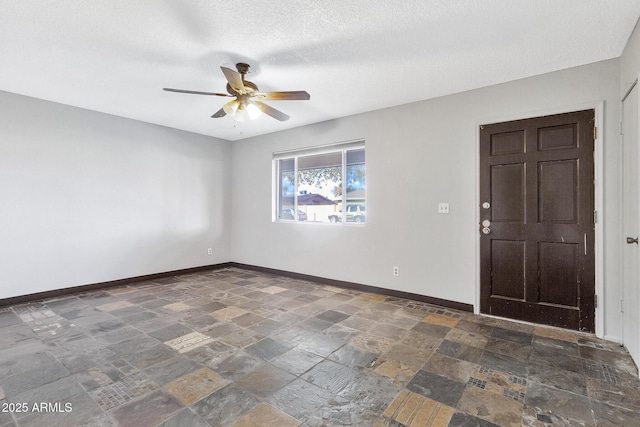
537	220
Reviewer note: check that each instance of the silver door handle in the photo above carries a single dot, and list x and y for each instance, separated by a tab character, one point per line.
631	240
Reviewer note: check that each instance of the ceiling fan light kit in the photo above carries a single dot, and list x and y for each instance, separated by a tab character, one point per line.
242	111
247	104
231	107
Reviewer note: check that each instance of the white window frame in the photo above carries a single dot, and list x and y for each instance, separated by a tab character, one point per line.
342	147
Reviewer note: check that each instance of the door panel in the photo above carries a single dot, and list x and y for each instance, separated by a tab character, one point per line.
537	254
558	273
557	190
556	137
507	188
507	143
508	268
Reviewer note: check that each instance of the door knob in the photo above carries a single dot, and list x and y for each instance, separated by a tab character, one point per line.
631	240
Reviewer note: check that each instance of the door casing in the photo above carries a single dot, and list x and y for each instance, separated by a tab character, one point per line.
598	160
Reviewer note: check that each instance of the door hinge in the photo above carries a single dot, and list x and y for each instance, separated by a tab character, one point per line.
621	306
595	133
621	129
595	301
595	217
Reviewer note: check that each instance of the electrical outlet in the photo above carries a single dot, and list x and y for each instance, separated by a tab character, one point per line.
210	251
443	208
396	271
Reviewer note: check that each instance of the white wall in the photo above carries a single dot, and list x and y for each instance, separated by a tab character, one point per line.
418	155
87	197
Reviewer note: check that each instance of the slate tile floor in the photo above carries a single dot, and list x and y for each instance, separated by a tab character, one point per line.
234	347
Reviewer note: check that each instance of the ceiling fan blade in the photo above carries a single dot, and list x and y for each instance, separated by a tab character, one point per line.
194	92
283	96
235	79
219	113
270	111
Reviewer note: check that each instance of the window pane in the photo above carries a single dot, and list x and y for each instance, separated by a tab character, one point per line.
286	189
319	185
355	156
356	182
320	161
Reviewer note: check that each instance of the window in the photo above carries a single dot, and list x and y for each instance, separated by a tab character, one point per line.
310	184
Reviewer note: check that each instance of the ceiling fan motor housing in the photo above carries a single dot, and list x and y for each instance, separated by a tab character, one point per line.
250	86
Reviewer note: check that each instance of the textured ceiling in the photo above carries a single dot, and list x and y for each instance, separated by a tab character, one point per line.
115	56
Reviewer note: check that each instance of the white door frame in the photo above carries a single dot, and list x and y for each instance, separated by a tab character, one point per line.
598	164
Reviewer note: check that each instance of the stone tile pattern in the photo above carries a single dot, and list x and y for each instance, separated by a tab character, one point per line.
123	391
237	347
